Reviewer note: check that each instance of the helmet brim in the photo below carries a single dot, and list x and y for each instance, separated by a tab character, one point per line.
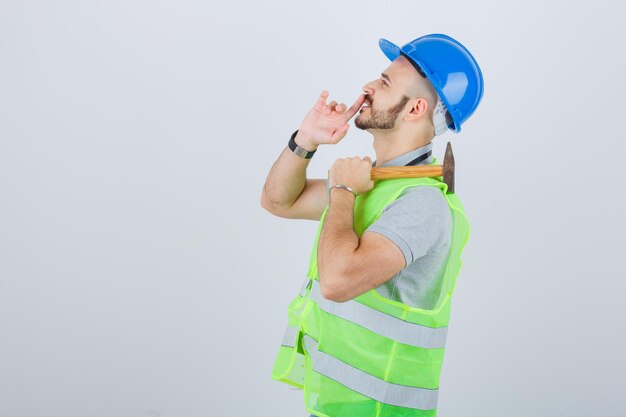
391	51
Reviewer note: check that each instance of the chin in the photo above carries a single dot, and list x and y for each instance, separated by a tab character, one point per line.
357	123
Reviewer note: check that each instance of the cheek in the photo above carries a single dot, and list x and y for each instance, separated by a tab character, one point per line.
381	104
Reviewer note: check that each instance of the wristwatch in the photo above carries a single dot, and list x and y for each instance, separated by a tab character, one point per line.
298	150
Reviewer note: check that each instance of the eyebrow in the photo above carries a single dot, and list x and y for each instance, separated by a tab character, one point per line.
385	76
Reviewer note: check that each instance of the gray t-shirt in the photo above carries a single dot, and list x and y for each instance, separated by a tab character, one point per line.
419	221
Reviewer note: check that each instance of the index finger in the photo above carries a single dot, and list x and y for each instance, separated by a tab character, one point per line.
355	107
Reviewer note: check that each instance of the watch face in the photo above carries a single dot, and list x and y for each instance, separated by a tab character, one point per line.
301	152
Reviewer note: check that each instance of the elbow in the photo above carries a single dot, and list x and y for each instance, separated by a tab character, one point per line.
272	207
267	204
333	289
263	201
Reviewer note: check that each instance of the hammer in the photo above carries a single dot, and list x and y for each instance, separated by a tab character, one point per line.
447	170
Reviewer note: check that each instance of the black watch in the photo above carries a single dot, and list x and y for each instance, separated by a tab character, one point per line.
298	150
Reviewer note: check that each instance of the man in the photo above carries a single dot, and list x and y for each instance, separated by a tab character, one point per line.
366	334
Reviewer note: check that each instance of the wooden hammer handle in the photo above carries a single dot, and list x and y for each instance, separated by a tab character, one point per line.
383	173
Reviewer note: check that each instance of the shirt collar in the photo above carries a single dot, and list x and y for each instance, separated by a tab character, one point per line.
407	157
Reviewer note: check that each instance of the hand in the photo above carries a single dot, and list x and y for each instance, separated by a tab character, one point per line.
355	173
326	123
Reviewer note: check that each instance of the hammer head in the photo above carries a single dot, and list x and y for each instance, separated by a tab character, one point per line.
448	168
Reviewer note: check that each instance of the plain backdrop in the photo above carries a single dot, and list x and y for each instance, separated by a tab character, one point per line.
140	277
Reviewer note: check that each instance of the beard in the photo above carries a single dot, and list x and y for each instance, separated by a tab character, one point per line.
381	119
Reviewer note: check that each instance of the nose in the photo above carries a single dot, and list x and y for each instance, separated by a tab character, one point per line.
368	90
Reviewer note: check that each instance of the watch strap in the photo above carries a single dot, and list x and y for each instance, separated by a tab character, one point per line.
298	150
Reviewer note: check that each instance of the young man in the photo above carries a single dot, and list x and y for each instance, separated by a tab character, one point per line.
366	334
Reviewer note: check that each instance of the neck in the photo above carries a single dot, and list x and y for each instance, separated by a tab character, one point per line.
389	144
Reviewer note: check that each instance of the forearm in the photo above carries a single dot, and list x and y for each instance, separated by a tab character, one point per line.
337	243
287	177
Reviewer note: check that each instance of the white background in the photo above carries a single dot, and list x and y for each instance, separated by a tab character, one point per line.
140	277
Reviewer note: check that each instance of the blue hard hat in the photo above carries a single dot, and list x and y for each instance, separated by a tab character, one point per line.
451	69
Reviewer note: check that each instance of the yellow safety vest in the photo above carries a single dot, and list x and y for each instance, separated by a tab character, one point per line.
370	356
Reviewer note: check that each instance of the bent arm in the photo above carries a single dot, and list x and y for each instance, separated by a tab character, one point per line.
286	181
287	192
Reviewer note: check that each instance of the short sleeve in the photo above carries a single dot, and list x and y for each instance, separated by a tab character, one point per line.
416	221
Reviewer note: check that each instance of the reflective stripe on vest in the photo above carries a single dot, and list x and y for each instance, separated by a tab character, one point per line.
369	385
381	323
289	338
305	285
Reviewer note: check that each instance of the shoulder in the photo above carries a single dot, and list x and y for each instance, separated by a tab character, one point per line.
425	199
418	220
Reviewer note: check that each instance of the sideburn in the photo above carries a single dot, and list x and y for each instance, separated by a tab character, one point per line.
395	110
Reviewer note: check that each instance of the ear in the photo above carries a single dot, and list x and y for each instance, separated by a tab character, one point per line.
417	110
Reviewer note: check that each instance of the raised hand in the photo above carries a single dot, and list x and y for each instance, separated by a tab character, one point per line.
326	123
